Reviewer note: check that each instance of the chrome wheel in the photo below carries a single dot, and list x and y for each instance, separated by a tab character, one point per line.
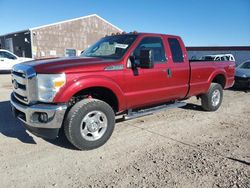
93	125
216	97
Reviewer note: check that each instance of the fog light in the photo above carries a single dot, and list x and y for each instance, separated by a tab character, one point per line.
43	117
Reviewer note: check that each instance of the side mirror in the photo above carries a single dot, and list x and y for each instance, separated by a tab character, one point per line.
146	59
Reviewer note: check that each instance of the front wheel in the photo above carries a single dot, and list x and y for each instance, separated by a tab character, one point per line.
211	101
89	124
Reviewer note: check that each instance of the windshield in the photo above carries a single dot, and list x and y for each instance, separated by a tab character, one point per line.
113	47
245	65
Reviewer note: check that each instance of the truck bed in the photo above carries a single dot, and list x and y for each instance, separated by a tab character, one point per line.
203	72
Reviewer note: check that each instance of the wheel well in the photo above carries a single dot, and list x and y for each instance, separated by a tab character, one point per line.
100	93
220	79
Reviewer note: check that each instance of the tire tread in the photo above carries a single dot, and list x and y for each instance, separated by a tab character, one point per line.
73	112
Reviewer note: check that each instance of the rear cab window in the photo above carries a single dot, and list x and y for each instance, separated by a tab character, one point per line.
176	51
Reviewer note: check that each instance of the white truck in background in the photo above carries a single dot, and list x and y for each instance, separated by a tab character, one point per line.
218	57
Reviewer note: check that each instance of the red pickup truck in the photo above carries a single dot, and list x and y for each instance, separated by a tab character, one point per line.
130	74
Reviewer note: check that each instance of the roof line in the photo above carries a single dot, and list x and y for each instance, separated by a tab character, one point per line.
74	19
108	22
20	31
218	48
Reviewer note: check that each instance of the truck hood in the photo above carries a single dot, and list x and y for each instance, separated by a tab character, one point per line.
242	72
69	65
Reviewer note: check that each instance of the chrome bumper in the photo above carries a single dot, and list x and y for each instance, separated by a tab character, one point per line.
30	114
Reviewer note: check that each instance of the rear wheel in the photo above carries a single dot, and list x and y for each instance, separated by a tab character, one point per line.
211	101
89	124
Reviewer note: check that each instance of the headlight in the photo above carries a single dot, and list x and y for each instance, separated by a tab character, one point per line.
48	85
244	76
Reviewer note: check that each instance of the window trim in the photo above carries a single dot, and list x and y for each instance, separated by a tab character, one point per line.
163	45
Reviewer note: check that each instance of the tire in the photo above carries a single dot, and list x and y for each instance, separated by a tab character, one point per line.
89	124
212	100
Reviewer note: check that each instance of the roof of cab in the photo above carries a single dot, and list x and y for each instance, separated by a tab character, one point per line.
143	33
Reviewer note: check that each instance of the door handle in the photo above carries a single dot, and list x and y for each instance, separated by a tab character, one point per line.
1	60
169	73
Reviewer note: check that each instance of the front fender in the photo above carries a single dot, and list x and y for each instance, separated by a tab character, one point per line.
76	85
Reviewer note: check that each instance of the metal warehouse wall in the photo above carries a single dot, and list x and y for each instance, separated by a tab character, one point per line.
21	43
53	40
240	56
1	42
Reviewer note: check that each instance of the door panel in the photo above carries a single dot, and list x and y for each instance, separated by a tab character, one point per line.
9	44
147	86
179	85
167	81
6	64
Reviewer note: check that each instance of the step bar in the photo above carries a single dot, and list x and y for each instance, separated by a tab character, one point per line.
143	112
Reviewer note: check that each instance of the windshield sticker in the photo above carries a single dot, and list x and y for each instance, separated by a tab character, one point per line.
123	46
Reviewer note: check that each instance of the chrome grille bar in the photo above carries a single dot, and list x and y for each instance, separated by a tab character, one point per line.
19	79
24	83
20	92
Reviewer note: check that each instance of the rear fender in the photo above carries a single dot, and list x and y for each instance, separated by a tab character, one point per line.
214	74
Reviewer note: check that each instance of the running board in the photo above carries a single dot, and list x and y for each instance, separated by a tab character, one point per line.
135	114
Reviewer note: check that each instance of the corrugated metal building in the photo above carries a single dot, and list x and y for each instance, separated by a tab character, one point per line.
241	53
66	38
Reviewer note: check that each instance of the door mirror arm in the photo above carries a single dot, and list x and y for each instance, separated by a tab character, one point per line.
133	64
146	59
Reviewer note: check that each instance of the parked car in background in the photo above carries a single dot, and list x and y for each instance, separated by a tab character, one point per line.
218	57
242	75
8	60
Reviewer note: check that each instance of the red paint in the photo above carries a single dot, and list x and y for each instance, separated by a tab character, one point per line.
150	86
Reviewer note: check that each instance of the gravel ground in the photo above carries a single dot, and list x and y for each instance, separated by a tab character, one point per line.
183	147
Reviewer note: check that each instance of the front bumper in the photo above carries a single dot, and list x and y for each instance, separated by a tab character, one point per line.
29	115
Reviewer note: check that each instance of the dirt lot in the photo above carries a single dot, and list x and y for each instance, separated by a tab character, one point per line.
184	147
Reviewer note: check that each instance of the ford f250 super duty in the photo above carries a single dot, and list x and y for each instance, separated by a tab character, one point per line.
130	74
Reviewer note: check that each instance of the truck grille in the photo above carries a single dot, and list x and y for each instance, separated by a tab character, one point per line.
24	83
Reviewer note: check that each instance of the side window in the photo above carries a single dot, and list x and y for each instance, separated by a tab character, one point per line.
176	51
1	55
8	55
153	43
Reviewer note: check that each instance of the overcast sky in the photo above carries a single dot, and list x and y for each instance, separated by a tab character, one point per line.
198	22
